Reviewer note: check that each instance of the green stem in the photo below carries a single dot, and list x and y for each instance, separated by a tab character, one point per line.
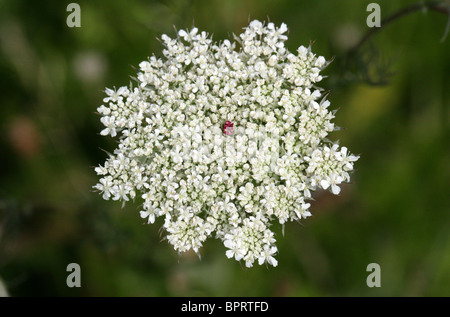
438	6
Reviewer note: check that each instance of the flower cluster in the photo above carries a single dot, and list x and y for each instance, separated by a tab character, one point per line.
222	139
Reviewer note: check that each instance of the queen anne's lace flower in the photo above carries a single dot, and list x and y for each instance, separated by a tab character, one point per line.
221	139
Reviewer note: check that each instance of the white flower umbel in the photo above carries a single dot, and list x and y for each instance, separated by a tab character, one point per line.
222	139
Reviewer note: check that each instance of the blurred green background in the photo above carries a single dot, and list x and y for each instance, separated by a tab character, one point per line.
395	213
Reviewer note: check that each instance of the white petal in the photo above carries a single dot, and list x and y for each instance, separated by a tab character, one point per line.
228	244
273	261
229	254
283	28
122	90
335	189
324	183
261	260
320	61
238	256
306	214
105	131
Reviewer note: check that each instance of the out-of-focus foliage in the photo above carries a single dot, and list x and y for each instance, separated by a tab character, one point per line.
395	213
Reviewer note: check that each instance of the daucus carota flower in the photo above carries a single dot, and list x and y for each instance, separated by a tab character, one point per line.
223	139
